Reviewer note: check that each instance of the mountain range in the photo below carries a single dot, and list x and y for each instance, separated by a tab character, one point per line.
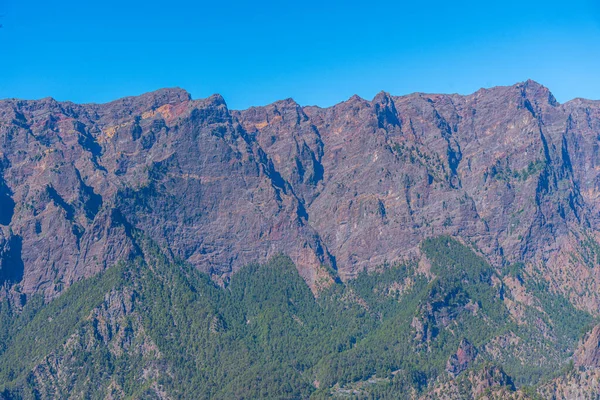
419	246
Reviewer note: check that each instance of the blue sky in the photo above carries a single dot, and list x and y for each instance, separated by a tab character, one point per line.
318	52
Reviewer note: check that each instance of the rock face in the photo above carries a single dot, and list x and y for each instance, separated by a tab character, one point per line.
583	381
462	359
588	353
487	383
352	186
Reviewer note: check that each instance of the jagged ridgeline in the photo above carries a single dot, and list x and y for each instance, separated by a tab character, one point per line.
157	329
345	187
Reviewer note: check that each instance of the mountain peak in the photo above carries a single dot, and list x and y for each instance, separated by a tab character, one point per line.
537	90
162	96
144	102
354	98
382	98
216	99
533	84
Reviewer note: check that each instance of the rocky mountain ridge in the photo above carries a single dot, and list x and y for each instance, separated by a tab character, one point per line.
507	170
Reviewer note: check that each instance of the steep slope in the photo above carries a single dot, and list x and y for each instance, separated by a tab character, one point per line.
483	166
347	188
350	187
81	177
153	329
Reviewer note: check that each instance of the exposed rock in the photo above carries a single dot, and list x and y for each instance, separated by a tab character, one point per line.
349	187
584	385
490	382
462	359
588	353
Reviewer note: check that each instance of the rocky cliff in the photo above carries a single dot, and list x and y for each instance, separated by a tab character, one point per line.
342	189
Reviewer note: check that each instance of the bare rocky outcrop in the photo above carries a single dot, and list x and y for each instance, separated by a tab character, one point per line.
588	353
488	382
462	359
584	385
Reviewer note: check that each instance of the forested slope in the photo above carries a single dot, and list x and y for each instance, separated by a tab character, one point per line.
156	329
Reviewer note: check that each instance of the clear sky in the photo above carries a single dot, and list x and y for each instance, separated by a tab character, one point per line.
318	52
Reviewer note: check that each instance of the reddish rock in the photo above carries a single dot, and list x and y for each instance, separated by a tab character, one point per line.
462	359
350	186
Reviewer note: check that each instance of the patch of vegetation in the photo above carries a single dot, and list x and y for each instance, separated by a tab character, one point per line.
265	335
